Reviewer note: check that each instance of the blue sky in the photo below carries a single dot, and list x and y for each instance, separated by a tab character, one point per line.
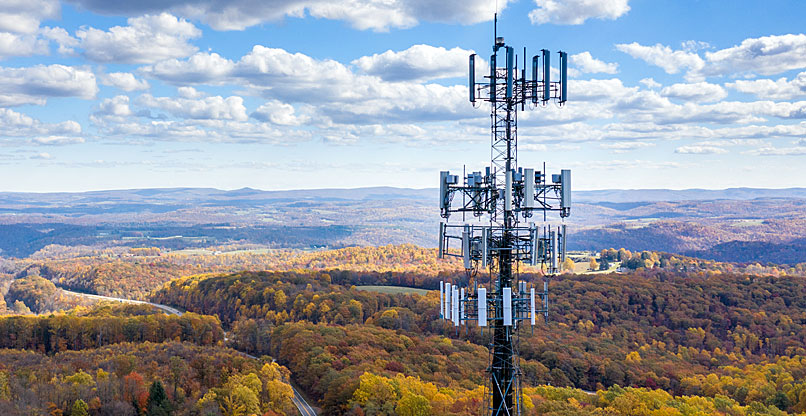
111	94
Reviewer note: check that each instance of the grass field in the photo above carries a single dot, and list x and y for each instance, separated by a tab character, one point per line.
392	289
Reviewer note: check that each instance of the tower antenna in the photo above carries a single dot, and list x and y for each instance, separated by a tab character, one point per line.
504	198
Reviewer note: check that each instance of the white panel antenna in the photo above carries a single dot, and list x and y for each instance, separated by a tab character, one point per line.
447	301
508	192
532	305
507	306
455	312
442	299
466	247
529	188
554	250
481	294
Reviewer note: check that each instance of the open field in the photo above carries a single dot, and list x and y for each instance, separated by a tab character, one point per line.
393	290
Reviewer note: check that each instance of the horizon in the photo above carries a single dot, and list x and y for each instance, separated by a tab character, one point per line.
383	186
662	95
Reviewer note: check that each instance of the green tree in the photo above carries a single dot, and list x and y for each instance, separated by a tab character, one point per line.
157	404
79	408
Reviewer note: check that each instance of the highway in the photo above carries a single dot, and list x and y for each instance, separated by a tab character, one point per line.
304	408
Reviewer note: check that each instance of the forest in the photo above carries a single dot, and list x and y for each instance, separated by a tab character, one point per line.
736	341
667	334
131	360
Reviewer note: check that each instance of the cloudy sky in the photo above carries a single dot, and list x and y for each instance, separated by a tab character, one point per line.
285	94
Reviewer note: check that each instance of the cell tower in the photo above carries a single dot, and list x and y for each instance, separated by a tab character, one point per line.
509	196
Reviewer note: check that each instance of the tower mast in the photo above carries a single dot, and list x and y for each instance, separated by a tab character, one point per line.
506	195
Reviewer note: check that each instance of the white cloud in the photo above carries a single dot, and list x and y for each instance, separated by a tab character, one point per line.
419	62
212	108
32	85
780	89
338	93
42	156
699	150
361	14
576	12
113	109
66	42
57	140
14	44
279	113
777	151
766	55
699	91
671	61
623	147
147	39
650	83
15	124
202	67
190	92
125	81
587	63
24	16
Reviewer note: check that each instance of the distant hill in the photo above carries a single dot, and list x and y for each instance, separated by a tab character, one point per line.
715	224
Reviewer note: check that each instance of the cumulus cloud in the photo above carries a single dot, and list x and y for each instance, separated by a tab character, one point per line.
780	89
279	113
57	140
699	91
15	124
650	83
202	67
113	109
766	55
361	14
125	81
671	61
419	62
699	150
24	16
339	94
576	12
14	44
777	151
32	85
623	147
212	108
147	39
587	63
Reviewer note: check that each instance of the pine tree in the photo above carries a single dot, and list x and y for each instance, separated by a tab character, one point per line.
157	404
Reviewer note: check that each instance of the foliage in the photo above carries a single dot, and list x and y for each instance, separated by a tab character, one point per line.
127	379
56	333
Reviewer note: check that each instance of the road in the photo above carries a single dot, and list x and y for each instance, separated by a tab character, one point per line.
169	310
304	408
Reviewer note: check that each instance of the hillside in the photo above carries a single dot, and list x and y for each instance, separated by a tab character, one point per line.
692	221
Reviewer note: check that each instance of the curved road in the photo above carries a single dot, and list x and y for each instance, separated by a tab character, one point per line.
304	408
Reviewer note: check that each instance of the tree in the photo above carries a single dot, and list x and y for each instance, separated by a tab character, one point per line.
593	265
568	265
157	404
79	408
413	405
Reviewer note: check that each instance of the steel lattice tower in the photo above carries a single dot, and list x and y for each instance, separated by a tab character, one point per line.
507	195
